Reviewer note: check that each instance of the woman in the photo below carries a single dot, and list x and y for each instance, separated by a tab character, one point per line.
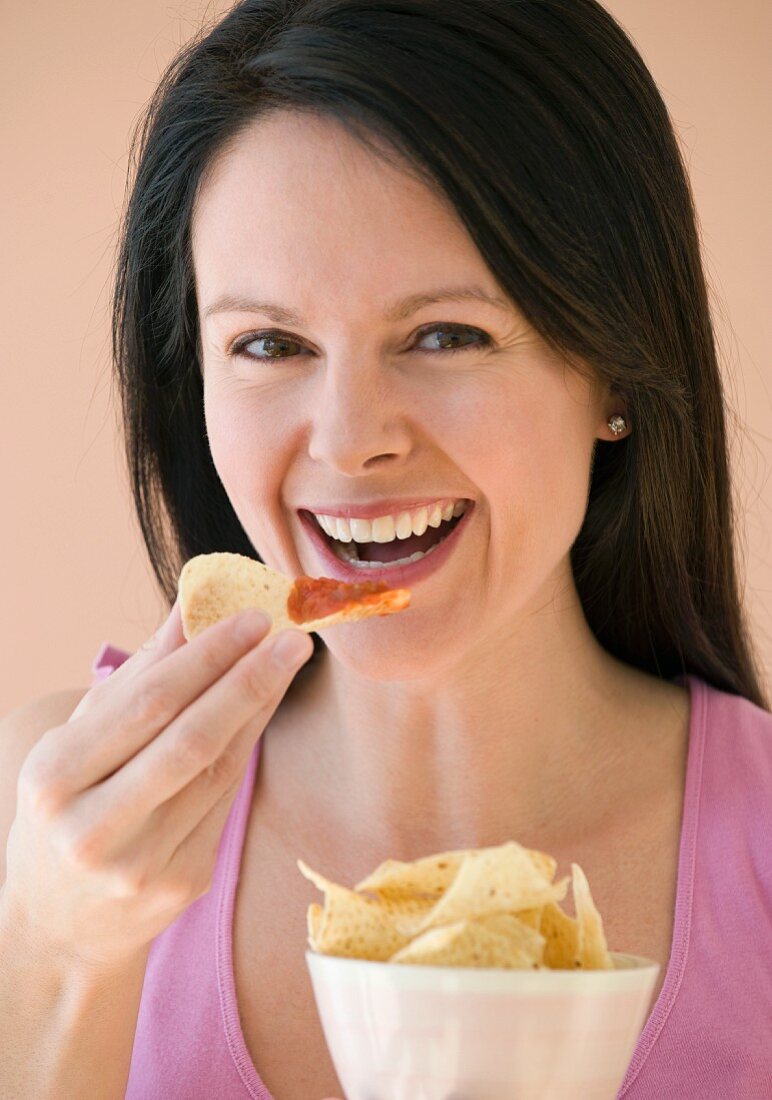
379	256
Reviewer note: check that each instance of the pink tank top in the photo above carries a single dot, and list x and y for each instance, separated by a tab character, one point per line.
709	1033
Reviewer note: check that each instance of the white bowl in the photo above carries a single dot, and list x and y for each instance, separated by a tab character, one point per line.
407	1032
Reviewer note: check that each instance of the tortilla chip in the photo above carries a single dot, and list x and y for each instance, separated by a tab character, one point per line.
531	917
313	921
498	940
561	933
353	925
501	879
593	950
213	586
521	936
485	907
433	874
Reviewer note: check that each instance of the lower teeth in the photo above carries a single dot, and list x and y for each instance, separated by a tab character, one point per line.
348	554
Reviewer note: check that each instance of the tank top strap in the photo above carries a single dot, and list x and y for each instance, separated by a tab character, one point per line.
225	881
108	658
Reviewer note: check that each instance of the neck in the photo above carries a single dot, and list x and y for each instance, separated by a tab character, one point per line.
527	736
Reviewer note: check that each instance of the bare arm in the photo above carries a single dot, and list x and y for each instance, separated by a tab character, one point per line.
63	1036
67	1034
20	731
119	805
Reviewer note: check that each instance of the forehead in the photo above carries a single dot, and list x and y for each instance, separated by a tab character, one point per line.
297	206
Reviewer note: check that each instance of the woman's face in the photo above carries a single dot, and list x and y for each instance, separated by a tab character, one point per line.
351	406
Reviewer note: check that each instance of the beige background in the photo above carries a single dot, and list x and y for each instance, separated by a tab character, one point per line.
73	78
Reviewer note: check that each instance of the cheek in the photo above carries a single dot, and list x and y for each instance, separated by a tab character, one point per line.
250	452
531	457
227	440
247	442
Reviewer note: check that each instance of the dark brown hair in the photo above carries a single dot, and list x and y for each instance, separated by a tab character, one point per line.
540	122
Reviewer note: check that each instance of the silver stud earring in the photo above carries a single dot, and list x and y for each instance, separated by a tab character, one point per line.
617	424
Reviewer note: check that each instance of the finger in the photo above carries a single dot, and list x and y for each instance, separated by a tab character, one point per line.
171	824
195	857
248	693
92	747
168	637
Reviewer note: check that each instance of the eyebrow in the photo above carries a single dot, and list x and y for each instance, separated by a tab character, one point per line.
405	307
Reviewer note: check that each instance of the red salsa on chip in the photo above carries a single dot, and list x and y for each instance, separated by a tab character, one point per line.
316	597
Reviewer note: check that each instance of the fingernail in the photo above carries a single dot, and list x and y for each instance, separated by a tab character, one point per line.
290	648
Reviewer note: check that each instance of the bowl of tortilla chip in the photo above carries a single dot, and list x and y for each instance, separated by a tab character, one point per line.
461	976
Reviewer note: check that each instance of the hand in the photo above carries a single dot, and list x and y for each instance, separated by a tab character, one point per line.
120	810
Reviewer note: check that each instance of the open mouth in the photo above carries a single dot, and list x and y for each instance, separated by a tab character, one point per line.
403	551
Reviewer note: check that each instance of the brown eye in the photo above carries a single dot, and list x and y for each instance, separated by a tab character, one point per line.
276	345
453	334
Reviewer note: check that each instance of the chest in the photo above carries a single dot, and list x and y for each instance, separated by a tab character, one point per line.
277	1010
638	910
633	876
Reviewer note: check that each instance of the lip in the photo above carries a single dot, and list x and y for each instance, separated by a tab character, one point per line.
377	507
401	576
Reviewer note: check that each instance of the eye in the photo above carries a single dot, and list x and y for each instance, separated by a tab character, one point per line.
454	333
278	342
275	341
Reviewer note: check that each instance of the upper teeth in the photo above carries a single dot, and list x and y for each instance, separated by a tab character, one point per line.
387	528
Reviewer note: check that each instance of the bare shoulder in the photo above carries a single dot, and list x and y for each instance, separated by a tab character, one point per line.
28	721
20	730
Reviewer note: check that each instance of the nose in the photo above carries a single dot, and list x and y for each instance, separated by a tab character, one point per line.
358	422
